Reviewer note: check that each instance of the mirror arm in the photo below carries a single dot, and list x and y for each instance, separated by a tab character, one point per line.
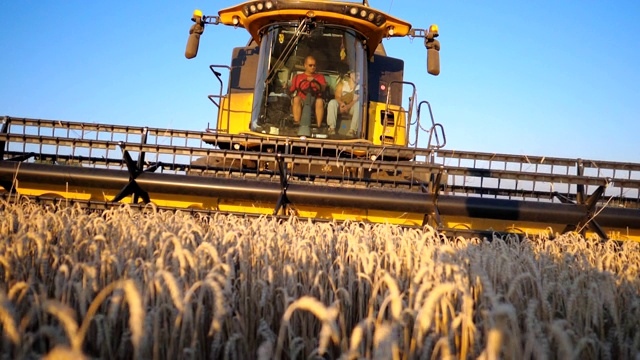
196	30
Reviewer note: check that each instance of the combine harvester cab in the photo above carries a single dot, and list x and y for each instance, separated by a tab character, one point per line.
263	158
342	43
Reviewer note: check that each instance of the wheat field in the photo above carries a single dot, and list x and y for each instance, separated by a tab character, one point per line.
151	284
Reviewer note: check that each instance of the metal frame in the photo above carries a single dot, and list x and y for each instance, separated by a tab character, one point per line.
290	172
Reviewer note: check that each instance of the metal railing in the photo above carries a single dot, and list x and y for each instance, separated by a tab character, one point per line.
194	153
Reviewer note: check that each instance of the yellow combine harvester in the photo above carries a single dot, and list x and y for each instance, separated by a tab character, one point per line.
313	124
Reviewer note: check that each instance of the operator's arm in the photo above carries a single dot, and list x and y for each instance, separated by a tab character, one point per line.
338	94
294	84
348	106
321	81
354	100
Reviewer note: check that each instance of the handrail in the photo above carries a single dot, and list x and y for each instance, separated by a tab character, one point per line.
433	130
220	96
409	112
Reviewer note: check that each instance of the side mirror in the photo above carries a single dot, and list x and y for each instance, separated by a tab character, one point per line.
433	51
194	35
433	59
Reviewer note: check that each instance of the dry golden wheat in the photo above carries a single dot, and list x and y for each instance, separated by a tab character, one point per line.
126	283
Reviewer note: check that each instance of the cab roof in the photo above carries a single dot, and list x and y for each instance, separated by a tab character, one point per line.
373	24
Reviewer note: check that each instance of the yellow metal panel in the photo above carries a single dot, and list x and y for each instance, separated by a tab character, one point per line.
394	134
529	228
48	191
56	191
236	118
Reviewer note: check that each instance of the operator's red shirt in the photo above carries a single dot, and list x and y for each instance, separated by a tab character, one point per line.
298	83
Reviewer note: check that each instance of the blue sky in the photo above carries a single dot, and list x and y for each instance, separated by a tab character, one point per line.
548	78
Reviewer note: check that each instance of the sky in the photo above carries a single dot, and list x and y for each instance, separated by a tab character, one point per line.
543	78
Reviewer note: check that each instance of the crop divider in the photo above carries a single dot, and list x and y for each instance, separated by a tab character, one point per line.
434	189
283	201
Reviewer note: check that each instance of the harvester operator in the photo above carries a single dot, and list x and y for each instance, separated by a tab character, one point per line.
308	83
346	101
